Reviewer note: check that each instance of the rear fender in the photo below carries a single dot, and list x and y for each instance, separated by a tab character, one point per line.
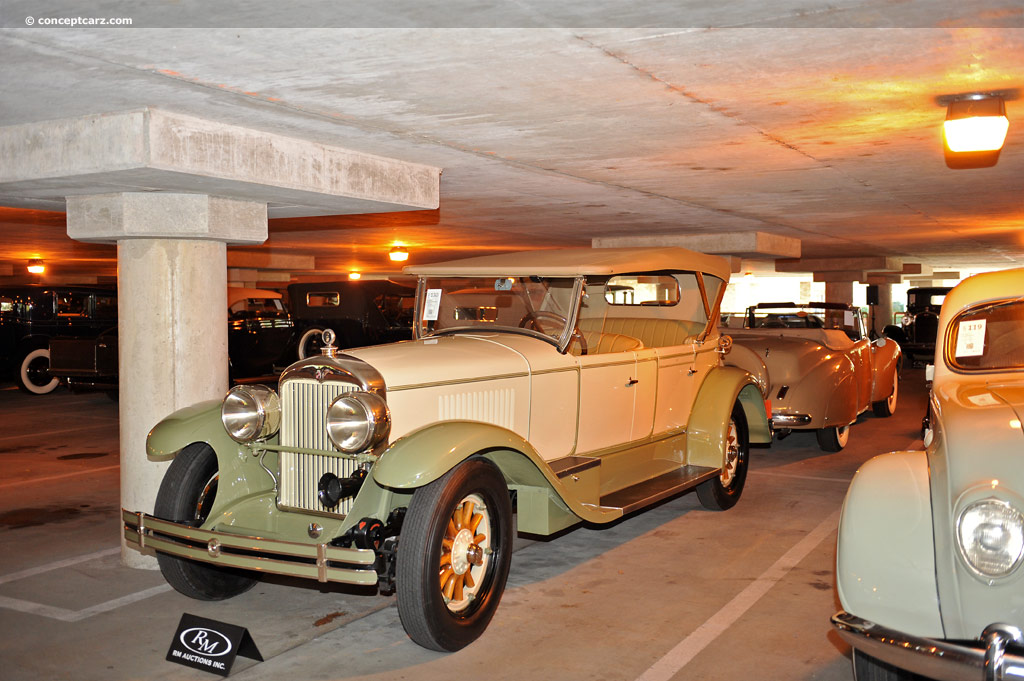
885	360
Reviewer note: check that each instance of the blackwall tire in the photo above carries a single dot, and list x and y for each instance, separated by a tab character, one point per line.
461	522
867	668
723	491
186	495
34	373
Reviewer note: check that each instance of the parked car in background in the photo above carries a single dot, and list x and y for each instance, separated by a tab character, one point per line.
917	327
359	312
816	367
259	333
931	543
569	386
30	315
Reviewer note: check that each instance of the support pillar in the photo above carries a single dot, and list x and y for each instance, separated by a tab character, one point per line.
839	292
883	311
172	312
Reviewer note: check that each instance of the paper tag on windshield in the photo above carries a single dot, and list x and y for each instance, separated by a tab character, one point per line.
432	305
970	338
847	318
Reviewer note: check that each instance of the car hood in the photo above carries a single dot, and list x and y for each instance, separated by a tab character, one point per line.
977	453
448	359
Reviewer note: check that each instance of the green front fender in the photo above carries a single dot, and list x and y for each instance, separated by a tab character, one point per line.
545	503
198	423
709	420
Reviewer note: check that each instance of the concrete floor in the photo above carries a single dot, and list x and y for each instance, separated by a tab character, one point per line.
674	592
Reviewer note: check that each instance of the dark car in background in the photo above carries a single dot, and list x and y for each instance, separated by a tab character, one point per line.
359	312
259	333
31	315
917	327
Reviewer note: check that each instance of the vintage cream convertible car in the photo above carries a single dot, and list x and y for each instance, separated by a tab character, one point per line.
569	386
817	367
930	565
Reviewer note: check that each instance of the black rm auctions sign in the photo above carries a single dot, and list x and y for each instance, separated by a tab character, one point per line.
210	645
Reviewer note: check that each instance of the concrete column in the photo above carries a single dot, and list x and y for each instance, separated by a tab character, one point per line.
883	311
839	292
172	312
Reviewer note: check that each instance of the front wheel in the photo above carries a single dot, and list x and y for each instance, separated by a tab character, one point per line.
887	407
722	492
186	495
454	555
833	438
34	373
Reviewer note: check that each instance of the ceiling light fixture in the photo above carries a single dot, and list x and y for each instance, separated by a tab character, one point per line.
36	266
398	254
975	128
354	275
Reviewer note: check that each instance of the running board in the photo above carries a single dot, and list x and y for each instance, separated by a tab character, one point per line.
645	493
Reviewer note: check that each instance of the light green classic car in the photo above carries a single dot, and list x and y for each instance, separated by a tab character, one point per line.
560	386
931	544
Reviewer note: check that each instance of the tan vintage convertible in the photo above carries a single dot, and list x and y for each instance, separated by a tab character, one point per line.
816	367
569	386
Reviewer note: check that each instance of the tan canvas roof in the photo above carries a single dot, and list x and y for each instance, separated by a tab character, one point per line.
236	293
573	261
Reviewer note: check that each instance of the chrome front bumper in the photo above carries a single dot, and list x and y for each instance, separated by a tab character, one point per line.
936	658
322	562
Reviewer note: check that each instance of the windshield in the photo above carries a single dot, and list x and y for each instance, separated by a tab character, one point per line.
538	306
989	337
805	317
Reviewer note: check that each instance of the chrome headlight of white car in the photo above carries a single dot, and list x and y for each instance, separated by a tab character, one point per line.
250	412
990	534
358	421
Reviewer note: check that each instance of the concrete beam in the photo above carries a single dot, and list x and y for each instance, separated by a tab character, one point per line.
840	275
760	245
916	268
879	278
946	275
108	218
873	263
6	270
265	260
151	148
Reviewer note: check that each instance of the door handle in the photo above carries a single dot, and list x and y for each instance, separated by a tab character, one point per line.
632	382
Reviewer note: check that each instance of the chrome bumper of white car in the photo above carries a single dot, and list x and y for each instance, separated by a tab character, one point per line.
936	658
790	420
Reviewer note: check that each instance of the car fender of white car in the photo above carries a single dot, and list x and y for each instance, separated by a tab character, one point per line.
888	513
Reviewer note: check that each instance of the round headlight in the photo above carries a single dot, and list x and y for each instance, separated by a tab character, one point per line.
250	412
358	421
990	534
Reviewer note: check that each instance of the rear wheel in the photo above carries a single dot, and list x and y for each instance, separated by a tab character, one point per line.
453	556
186	495
34	373
887	407
722	492
834	438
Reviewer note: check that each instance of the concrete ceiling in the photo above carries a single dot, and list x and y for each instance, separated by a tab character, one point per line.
812	120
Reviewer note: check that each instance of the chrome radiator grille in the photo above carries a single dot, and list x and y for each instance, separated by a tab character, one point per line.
303	417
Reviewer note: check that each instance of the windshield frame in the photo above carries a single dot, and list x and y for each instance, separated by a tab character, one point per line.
951	332
561	342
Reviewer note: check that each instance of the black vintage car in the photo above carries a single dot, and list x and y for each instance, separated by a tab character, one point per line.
359	312
259	333
917	327
31	315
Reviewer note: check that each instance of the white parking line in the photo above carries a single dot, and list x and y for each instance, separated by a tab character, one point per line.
687	649
65	615
56	565
845	481
32	481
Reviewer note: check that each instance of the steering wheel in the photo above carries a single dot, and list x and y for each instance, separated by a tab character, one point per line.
532	320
